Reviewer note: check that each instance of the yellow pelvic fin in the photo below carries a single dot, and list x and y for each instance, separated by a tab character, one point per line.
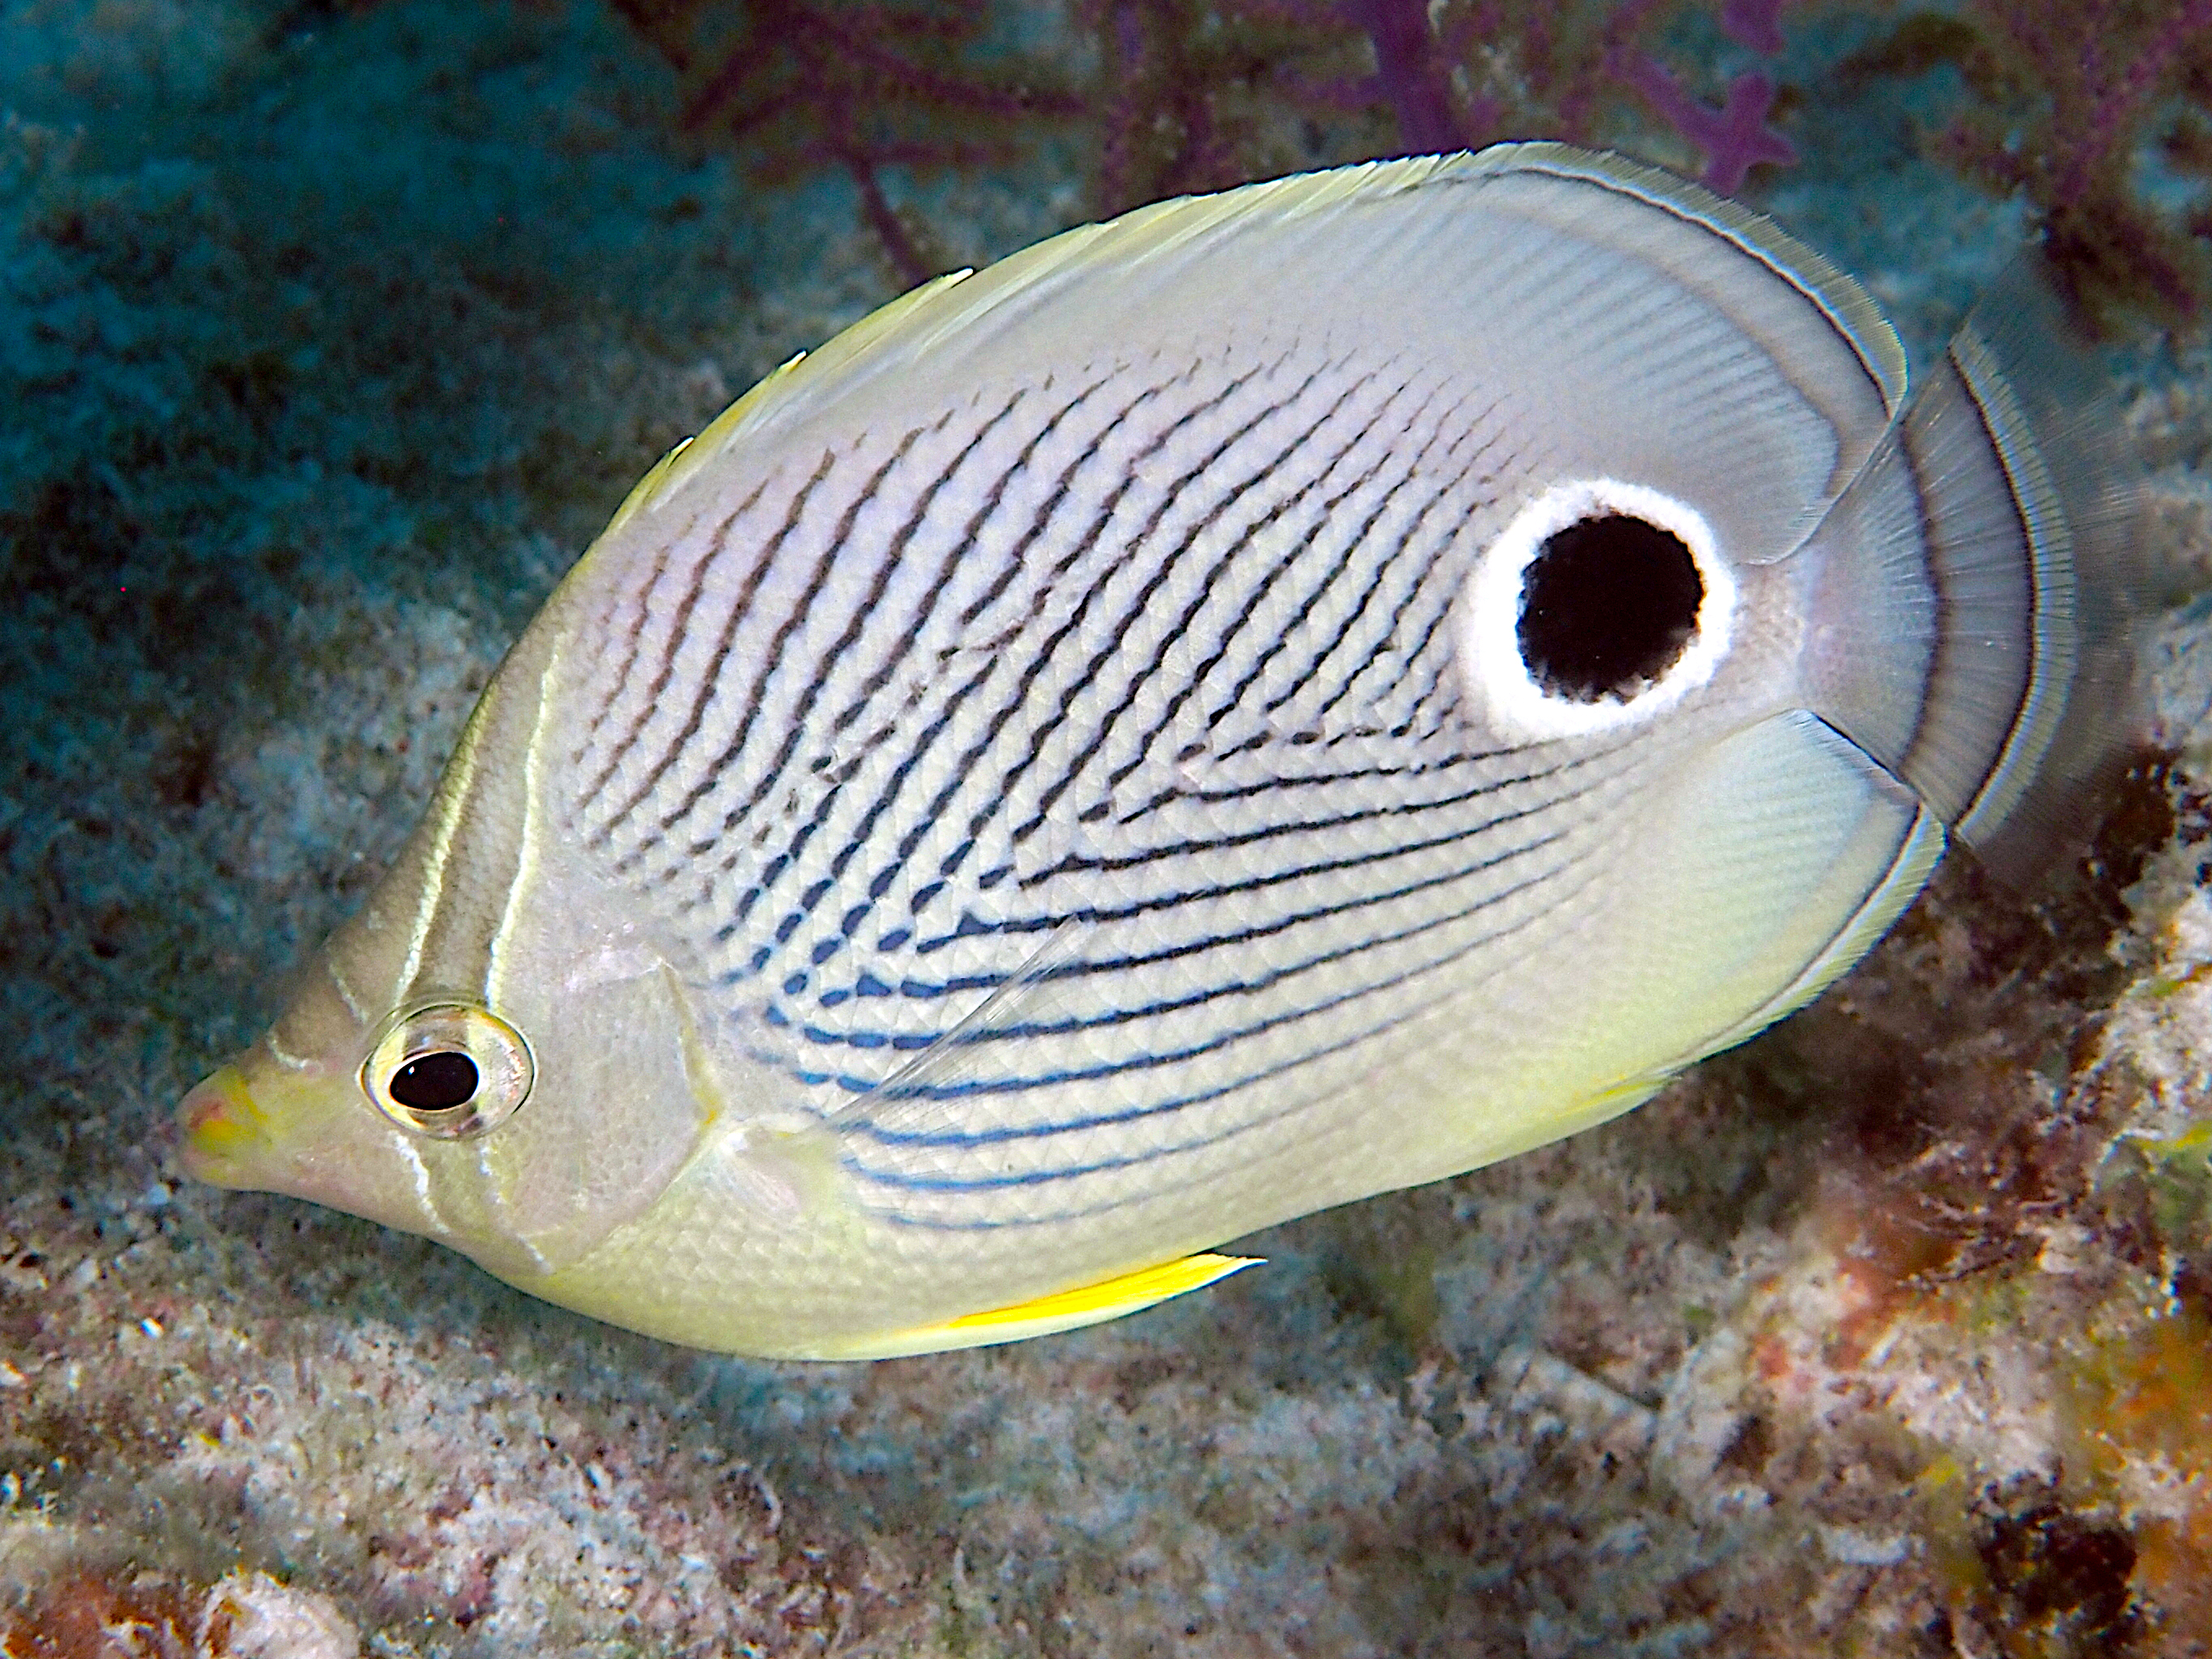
1062	1311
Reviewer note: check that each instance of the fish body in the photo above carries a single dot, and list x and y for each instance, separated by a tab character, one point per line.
1283	695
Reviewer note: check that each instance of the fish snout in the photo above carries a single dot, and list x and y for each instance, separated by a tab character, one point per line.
220	1125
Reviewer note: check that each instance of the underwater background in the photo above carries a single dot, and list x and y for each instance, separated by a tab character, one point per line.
330	333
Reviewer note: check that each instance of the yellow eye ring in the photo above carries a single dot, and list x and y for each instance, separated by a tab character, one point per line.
449	1070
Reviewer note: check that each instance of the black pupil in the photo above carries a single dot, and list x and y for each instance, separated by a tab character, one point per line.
435	1083
1607	606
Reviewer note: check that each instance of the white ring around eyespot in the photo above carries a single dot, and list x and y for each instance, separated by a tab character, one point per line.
1515	705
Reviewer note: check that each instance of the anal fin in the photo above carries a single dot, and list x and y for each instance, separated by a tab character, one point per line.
1061	1310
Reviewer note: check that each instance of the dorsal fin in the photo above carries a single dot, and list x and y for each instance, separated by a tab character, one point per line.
780	393
1847	306
1115	284
926	316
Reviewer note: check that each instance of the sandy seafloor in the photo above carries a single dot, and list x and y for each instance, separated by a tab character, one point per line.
325	342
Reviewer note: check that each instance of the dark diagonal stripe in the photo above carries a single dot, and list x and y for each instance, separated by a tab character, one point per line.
647	704
1039	519
861	1127
1073	685
1138	963
1412	542
1020	698
734	616
1351	548
887	566
636	629
1180	629
1091	864
772	658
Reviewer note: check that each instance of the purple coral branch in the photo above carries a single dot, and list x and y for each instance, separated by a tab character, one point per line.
858	49
1407	72
1755	23
2095	70
891	230
834	67
2108	118
1736	138
1343	95
1412	75
1117	151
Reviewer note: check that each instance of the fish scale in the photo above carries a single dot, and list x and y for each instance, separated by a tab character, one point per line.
1077	770
797	870
1178	560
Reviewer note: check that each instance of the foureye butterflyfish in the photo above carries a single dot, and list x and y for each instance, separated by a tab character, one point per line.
1286	694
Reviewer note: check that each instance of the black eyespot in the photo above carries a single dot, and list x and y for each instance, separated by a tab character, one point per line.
435	1082
1607	606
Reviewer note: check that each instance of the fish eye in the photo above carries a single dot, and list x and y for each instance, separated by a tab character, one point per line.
449	1070
435	1082
1598	605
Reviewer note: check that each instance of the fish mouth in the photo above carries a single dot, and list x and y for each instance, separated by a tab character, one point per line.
222	1129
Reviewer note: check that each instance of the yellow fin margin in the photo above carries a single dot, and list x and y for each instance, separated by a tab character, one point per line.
1062	1311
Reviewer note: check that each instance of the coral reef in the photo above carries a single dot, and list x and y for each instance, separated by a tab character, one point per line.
328	334
807	85
1194	95
1183	95
2054	103
2061	100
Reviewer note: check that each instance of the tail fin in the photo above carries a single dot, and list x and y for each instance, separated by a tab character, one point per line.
1973	595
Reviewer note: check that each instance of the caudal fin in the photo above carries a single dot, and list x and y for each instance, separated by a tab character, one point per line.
1971	597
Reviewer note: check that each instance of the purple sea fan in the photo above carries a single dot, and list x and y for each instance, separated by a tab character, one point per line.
1734	138
1563	65
2063	96
801	84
